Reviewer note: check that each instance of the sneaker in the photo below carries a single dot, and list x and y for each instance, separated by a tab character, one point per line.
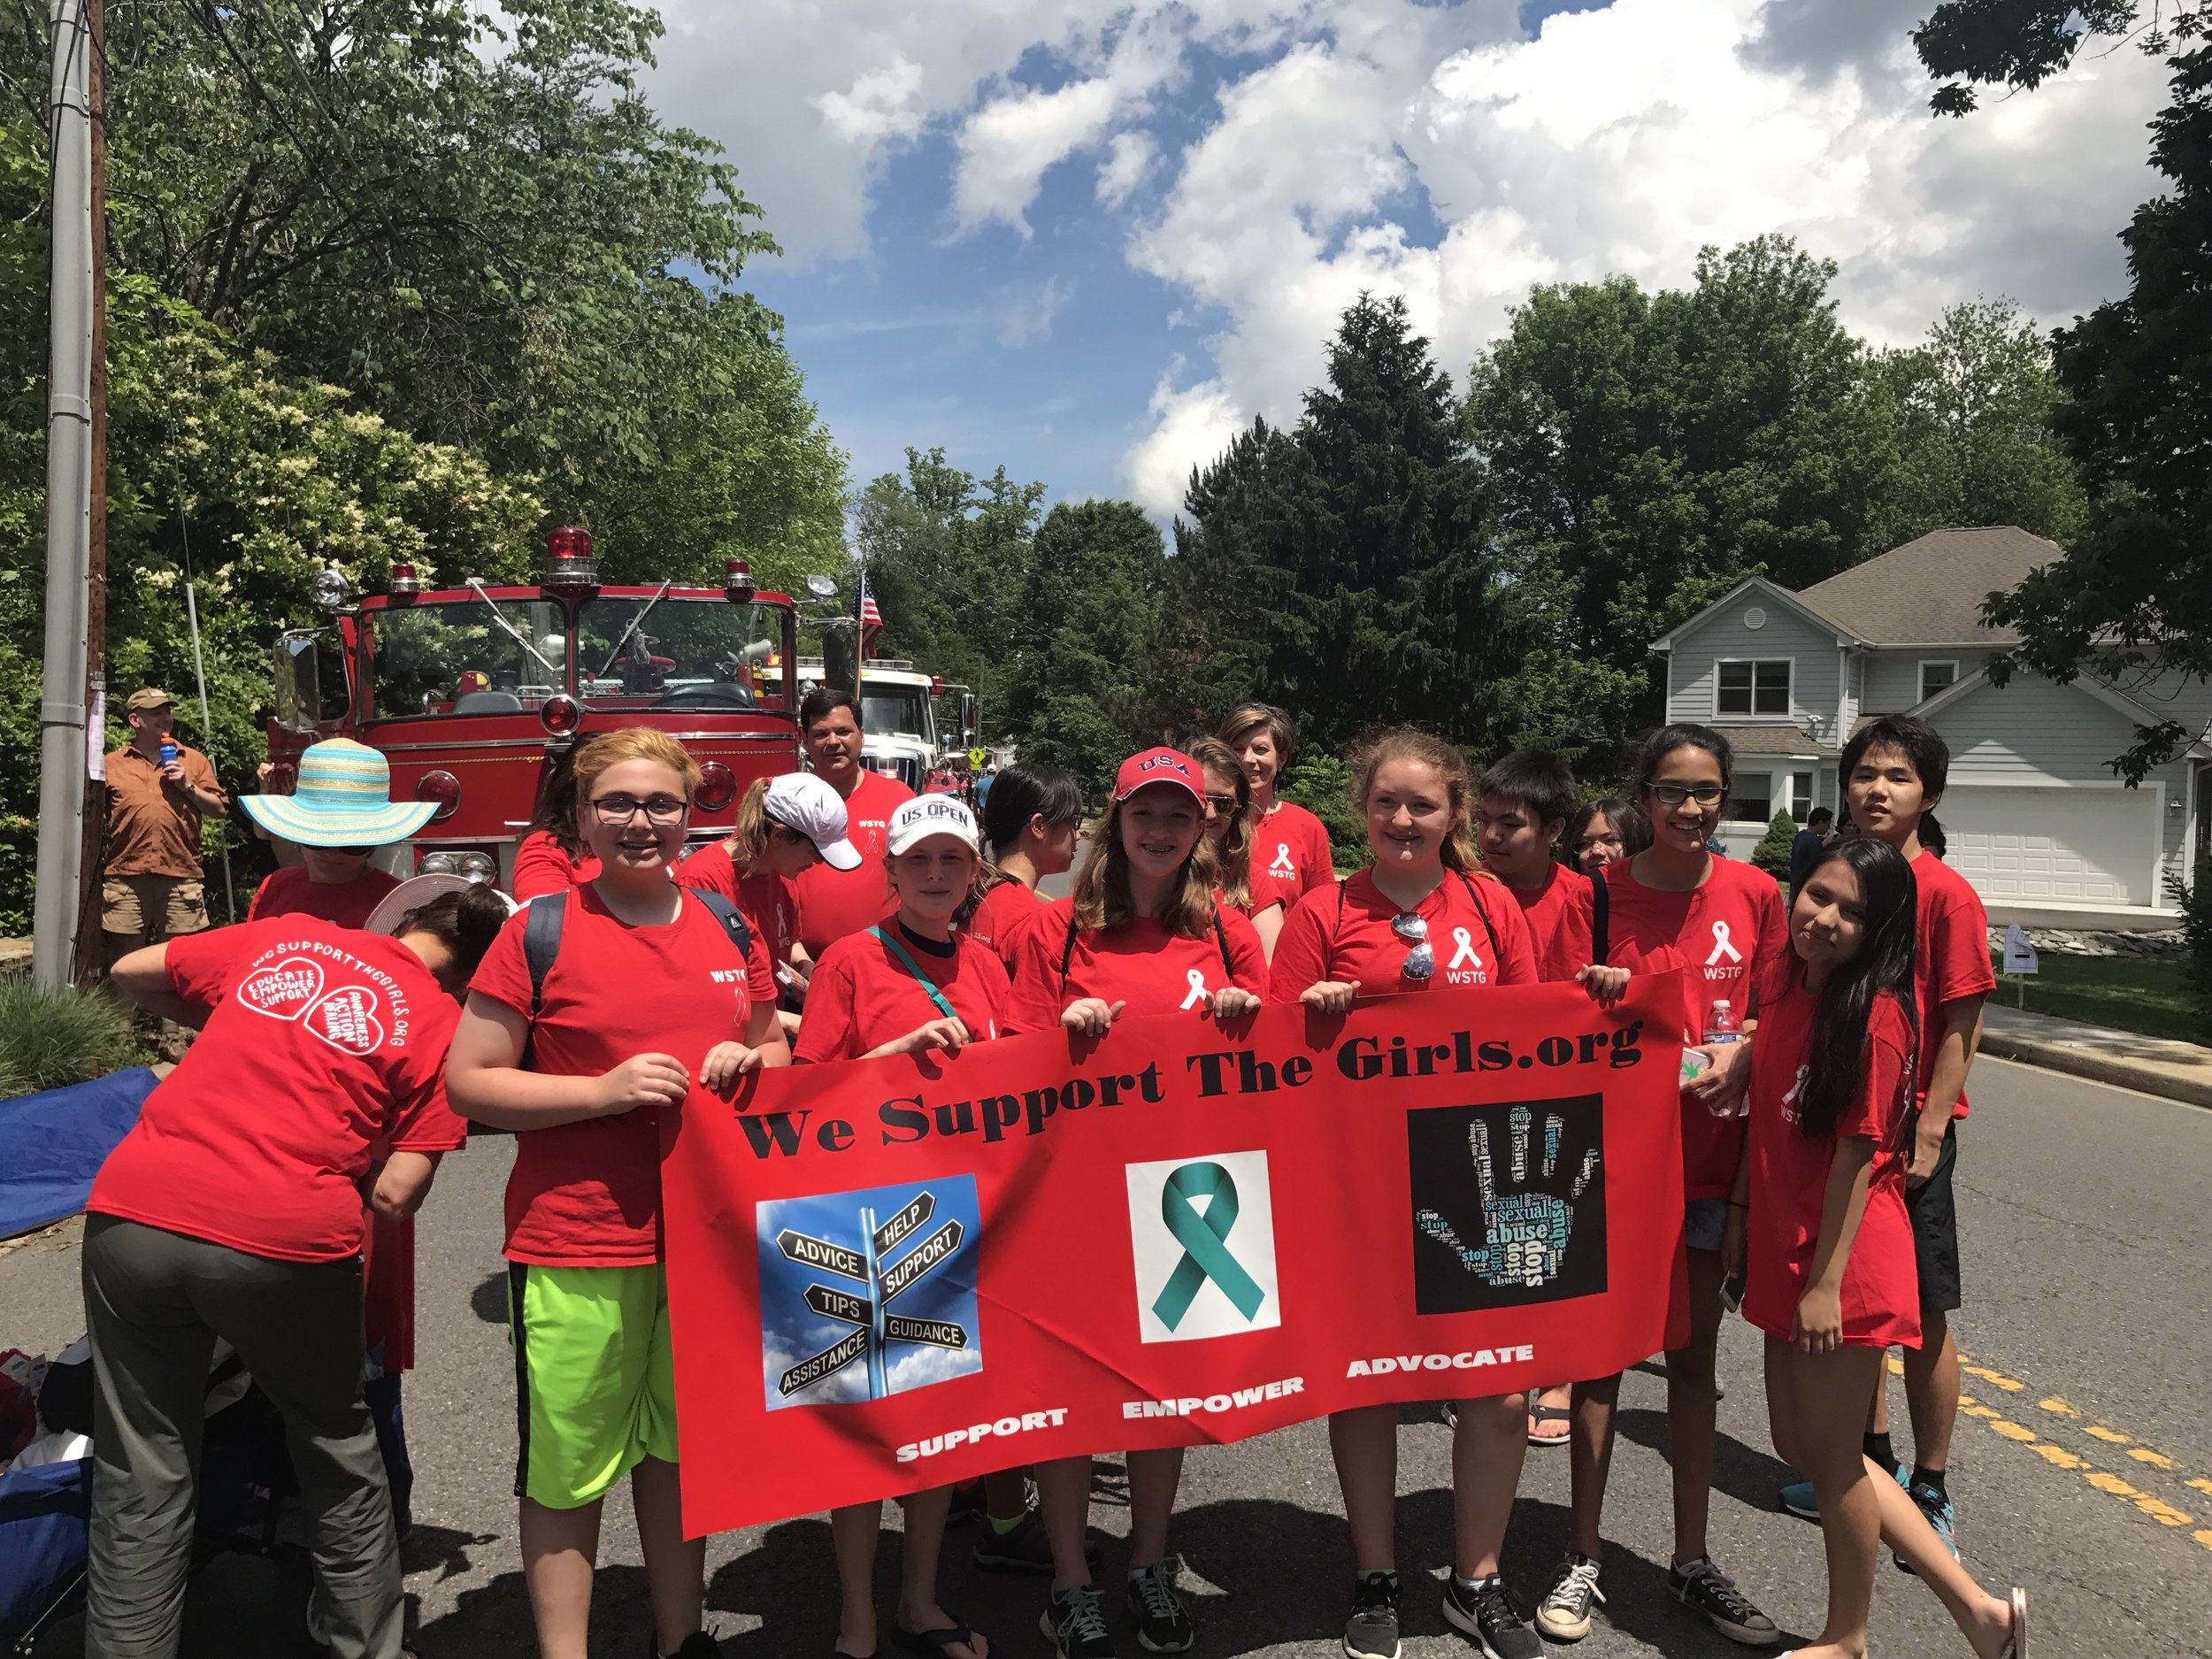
1937	1507
1798	1498
1022	1547
1075	1625
1484	1612
1162	1624
1704	1588
1564	1613
1371	1632
698	1645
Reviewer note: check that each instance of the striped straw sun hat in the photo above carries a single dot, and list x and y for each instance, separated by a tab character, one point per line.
343	799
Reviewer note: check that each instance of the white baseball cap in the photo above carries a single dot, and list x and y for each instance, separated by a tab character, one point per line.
394	907
803	802
926	815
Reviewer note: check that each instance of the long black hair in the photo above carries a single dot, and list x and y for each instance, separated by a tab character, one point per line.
1626	818
1656	746
555	812
1883	965
1027	789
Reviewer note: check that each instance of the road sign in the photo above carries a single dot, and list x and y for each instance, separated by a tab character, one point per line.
808	1251
936	1333
838	1304
931	1252
827	1362
903	1226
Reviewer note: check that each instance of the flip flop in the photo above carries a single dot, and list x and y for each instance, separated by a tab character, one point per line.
2017	1647
955	1634
1538	1414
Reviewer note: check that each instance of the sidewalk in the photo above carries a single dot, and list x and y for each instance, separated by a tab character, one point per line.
2177	1070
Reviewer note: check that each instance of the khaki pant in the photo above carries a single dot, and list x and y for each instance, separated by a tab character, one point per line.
139	911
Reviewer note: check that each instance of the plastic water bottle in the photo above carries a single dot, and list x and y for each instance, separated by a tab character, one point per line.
168	750
1721	1025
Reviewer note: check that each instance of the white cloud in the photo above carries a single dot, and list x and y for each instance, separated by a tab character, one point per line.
1028	317
1128	158
1008	145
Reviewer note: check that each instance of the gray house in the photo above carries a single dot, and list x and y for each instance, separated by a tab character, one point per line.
2035	816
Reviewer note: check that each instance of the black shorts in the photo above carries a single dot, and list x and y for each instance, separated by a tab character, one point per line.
1935	1229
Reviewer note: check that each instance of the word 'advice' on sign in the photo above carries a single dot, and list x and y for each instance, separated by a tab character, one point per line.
1044	1247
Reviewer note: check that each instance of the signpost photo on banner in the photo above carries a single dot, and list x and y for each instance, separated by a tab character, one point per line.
939	1266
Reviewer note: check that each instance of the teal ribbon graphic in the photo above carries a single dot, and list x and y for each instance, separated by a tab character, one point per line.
1204	1255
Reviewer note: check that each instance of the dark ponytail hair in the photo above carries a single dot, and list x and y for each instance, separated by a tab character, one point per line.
465	922
555	812
1026	790
1651	753
1882	966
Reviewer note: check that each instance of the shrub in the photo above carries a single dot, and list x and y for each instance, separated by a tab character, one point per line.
52	1037
2195	900
1323	785
1772	854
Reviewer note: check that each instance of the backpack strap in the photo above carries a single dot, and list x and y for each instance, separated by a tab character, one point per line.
1601	919
1497	955
1221	938
541	942
891	942
1067	951
731	918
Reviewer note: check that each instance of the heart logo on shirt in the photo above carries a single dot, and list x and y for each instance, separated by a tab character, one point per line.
346	1019
283	992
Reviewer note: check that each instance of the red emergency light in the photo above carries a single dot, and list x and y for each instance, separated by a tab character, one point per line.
717	787
737	581
570	567
405	585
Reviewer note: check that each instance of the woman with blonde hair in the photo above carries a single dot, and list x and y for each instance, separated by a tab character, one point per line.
1231	824
1141	935
653	1000
1290	846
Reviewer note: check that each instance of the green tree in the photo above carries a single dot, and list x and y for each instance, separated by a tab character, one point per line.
1088	627
1975	411
2133	596
1772	854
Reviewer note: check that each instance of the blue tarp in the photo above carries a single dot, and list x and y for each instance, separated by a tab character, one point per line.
53	1143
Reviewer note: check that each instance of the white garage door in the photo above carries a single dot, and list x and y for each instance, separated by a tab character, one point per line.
2077	846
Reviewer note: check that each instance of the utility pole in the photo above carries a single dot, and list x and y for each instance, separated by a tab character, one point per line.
63	756
91	959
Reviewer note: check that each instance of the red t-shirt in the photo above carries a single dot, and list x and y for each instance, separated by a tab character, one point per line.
862	996
1558	915
766	899
541	867
1139	962
1720	933
835	903
289	892
1006	913
1290	857
323	1044
588	1194
1323	940
1789	1175
1950	957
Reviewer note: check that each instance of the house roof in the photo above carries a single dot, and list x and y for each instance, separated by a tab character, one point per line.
1765	589
1766	741
1930	591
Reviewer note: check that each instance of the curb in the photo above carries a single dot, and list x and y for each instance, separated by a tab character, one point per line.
2145	1077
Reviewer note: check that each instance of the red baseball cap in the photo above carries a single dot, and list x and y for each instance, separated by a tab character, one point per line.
1159	766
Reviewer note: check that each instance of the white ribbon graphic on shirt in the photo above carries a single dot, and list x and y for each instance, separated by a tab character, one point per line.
1198	992
1721	947
1282	866
1798	1088
1464	956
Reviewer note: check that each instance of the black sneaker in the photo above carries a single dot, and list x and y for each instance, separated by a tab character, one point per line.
1022	1547
1075	1625
1371	1632
1484	1612
1704	1588
1564	1614
698	1645
1162	1624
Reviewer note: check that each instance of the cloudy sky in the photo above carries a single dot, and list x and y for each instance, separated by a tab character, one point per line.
1091	238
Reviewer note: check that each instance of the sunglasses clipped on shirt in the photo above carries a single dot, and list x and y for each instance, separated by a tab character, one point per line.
1676	793
1420	961
658	809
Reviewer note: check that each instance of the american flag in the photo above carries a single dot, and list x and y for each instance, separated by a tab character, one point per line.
871	618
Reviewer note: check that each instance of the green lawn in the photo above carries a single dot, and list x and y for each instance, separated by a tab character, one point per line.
2126	992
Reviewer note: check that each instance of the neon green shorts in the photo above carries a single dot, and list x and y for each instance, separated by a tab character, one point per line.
596	1381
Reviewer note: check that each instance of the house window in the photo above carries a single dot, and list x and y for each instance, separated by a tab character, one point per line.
1755	688
1752	800
1800	796
1935	676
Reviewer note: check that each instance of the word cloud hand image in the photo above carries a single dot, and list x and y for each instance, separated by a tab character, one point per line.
1525	1231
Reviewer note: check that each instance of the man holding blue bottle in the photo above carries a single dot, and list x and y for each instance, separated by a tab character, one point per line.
159	790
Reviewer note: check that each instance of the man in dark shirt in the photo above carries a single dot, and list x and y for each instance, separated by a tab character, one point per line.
1811	842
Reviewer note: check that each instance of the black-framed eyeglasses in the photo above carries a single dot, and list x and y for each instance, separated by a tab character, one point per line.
658	809
1420	961
1676	793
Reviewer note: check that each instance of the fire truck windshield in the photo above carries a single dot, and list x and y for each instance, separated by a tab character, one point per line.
452	657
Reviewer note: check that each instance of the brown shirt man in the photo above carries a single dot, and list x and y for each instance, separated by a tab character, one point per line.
153	828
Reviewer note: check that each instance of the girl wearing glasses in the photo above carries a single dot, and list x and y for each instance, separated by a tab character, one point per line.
1674	905
1290	848
1032	815
907	985
1604	832
1231	821
648	1006
1141	935
1424	915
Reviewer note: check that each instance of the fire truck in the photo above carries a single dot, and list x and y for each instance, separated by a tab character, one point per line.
469	691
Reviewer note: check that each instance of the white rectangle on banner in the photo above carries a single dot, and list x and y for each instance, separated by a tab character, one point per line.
1202	1230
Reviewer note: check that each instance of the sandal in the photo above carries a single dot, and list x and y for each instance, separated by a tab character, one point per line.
1539	1414
955	1634
2017	1645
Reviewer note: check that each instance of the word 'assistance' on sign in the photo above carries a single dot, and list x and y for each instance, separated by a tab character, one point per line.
1184	1232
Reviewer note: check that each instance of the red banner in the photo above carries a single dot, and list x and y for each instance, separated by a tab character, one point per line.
886	1275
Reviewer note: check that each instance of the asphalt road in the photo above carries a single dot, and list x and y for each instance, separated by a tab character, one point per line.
2083	1468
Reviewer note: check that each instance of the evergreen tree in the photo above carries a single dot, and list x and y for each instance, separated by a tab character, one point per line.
1231	577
